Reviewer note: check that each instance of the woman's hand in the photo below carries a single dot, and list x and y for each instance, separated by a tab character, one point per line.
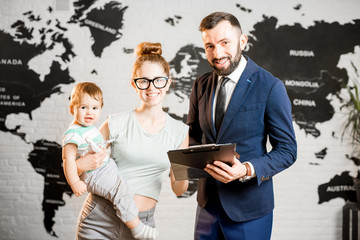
178	187
90	161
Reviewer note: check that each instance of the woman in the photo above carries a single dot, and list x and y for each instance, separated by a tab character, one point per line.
142	138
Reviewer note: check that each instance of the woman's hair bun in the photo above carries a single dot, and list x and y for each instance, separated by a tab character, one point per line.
147	48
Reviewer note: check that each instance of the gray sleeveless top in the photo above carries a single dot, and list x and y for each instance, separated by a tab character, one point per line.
142	157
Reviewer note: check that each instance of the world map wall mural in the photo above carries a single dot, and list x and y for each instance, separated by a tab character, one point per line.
308	59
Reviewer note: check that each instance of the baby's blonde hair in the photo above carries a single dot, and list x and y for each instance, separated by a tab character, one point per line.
83	88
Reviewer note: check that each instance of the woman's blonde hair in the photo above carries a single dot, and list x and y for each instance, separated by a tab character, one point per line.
151	52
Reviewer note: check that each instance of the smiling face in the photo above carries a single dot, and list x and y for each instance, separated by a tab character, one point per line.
223	47
151	96
87	111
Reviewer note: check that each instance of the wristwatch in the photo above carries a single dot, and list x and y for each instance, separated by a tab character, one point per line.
247	175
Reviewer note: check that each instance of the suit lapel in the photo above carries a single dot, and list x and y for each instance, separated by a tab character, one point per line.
241	90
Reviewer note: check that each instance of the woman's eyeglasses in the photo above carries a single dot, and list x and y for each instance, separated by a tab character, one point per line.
144	83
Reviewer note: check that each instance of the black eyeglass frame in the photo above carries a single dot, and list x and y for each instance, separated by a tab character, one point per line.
150	80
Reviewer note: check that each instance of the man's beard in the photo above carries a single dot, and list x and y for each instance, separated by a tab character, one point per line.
233	64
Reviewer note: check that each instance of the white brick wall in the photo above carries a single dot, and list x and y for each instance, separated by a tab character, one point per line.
297	214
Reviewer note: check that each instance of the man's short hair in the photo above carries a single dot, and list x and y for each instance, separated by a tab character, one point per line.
213	19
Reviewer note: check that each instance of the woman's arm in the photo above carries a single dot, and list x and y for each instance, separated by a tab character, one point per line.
179	187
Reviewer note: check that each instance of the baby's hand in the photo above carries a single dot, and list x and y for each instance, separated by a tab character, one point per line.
78	188
93	145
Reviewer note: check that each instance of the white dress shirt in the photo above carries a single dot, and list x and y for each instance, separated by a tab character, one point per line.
230	85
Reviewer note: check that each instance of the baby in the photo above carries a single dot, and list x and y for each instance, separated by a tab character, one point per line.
86	104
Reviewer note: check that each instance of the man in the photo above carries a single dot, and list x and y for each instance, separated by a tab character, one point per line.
247	108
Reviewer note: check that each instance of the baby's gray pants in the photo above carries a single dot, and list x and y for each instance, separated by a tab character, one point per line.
106	182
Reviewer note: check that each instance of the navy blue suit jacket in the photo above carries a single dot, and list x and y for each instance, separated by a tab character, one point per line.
259	110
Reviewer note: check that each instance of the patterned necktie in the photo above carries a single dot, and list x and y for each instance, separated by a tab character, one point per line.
220	104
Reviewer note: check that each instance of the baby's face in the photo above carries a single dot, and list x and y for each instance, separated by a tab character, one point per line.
88	111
